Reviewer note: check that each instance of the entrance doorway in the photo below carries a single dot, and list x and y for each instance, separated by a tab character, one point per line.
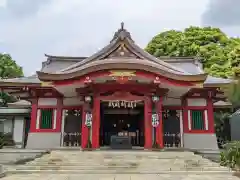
121	121
72	128
171	129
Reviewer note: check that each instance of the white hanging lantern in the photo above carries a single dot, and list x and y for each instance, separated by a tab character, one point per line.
87	98
155	120
88	120
155	98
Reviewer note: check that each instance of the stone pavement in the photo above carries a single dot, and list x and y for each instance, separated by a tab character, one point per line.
11	156
118	177
119	165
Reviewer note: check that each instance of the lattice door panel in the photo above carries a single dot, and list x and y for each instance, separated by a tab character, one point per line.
171	129
72	128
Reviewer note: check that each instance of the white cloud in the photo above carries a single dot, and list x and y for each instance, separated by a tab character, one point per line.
3	3
80	27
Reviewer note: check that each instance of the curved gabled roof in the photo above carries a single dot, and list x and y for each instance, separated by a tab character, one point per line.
122	52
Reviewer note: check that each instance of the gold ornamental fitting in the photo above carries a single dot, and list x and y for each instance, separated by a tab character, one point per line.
46	84
122	73
199	85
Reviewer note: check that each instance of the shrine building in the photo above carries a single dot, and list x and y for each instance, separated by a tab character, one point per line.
120	91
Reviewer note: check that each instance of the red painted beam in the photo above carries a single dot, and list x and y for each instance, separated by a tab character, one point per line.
102	88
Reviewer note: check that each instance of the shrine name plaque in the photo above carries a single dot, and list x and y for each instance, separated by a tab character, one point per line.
120	142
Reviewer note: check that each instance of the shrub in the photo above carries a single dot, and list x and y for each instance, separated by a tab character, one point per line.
2	141
6	140
231	155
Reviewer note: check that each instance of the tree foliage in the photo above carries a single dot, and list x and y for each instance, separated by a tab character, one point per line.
219	53
8	69
232	92
222	126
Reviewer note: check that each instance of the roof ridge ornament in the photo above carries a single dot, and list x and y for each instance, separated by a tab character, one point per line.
121	34
122	25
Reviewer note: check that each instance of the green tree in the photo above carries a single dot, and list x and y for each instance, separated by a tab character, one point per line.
233	94
221	123
8	69
220	54
232	91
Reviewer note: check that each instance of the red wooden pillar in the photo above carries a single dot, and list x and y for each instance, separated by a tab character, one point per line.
84	128
159	129
210	114
148	123
59	115
96	122
185	115
33	115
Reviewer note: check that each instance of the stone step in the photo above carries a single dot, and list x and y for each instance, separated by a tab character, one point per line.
119	167
159	154
77	159
120	154
124	160
123	163
129	159
109	171
81	158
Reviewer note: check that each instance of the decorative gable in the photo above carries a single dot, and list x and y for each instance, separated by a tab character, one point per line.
122	51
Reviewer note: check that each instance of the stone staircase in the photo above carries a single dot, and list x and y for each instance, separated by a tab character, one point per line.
119	162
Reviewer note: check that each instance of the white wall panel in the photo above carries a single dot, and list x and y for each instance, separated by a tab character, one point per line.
189	120
206	119
73	101
172	102
47	101
38	119
55	119
197	102
18	131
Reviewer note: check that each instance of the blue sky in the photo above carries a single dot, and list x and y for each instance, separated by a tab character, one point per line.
30	28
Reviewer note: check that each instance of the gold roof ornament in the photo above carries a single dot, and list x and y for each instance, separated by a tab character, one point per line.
122	73
199	85
46	84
